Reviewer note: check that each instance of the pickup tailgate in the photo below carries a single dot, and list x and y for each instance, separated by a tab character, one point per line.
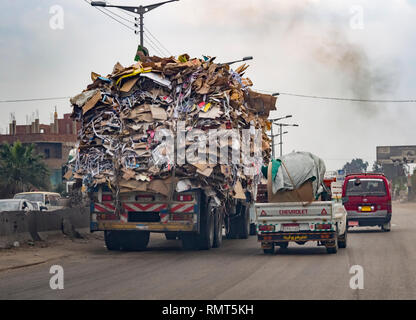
285	221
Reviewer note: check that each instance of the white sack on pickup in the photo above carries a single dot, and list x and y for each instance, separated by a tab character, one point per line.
301	167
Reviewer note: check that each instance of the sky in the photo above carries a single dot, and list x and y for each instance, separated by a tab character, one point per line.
353	49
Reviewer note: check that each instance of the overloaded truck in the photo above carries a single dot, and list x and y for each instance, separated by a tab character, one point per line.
299	207
138	124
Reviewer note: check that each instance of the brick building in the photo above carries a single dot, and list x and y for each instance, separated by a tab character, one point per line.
53	141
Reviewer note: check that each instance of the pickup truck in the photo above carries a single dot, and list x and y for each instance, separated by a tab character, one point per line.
284	222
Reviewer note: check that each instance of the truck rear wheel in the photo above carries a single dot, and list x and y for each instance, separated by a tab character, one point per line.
244	222
206	236
218	224
171	236
189	241
134	240
112	240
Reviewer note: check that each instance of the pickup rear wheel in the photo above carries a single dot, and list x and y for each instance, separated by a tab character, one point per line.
269	250
332	247
342	240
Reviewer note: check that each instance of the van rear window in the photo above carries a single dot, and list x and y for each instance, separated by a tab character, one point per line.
366	187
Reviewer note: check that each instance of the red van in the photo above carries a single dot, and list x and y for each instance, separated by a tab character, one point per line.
367	199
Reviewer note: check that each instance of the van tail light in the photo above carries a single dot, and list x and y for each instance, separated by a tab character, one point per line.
107	197
266	228
187	197
389	208
323	226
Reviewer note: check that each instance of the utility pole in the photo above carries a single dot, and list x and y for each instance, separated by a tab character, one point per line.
140	10
281	133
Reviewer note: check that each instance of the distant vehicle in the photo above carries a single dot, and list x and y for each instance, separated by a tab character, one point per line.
15	205
38	206
367	199
50	200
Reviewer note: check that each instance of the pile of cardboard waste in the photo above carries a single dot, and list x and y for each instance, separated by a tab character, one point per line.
122	113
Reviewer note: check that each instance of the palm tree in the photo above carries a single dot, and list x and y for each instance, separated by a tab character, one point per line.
21	169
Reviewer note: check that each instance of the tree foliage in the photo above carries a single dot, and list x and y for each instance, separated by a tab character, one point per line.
21	169
355	166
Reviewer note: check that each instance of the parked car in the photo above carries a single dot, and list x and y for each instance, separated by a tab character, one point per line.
50	200
367	199
15	205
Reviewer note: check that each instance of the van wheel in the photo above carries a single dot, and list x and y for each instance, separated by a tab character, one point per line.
386	227
218	224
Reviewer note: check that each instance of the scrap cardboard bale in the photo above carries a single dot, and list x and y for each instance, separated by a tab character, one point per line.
122	113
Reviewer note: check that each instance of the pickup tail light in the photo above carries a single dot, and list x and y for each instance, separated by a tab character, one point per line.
323	226
186	197
107	197
266	228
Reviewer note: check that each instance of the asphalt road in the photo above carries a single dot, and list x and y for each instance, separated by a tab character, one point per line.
238	270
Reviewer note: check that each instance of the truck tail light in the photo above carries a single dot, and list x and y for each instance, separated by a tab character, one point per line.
107	197
323	226
187	197
266	228
107	216
181	217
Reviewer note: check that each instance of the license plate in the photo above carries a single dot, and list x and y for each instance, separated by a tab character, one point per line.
353	223
366	209
290	228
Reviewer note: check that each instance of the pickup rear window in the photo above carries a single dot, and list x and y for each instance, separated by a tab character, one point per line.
367	187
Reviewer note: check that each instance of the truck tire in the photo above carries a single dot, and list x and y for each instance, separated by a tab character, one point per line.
244	222
218	225
342	240
171	236
134	240
189	241
112	240
253	229
283	245
270	250
386	227
207	226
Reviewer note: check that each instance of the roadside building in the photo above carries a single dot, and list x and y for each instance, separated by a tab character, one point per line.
53	141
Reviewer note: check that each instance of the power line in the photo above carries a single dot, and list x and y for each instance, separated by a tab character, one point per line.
148	31
110	16
341	99
154	46
33	99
